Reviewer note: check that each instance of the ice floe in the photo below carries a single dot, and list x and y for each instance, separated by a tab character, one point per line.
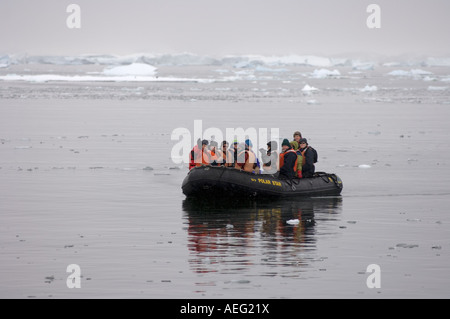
324	73
138	69
308	88
412	72
437	88
369	88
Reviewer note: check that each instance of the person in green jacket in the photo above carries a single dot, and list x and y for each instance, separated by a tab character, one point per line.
296	148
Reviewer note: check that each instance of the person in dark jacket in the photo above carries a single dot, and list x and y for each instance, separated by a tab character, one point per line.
235	152
270	158
308	167
288	161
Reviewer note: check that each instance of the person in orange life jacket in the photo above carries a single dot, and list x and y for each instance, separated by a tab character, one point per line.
224	155
308	167
270	158
228	158
295	147
246	159
288	161
198	155
212	152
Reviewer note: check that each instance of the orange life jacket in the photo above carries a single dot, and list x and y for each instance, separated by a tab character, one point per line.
213	157
193	156
206	158
250	161
282	158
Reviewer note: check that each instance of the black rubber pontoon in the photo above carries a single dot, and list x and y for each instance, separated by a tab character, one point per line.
205	181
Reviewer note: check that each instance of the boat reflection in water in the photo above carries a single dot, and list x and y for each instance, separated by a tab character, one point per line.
257	238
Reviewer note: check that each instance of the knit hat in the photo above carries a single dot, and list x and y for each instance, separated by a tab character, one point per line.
303	140
294	145
286	143
248	143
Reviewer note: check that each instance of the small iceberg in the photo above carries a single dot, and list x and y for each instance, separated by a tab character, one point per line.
139	69
308	88
369	88
437	88
293	222
413	73
325	73
362	66
312	102
364	166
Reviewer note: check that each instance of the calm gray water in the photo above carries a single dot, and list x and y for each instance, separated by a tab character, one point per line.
76	188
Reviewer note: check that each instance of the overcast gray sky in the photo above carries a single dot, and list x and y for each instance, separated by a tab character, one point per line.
220	27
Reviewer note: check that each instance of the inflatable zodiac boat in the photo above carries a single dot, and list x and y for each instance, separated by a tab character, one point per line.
205	181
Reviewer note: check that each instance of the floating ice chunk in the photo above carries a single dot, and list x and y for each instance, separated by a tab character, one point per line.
293	222
399	73
420	72
437	88
392	64
325	73
413	72
132	69
429	79
308	88
369	88
363	66
364	166
312	102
